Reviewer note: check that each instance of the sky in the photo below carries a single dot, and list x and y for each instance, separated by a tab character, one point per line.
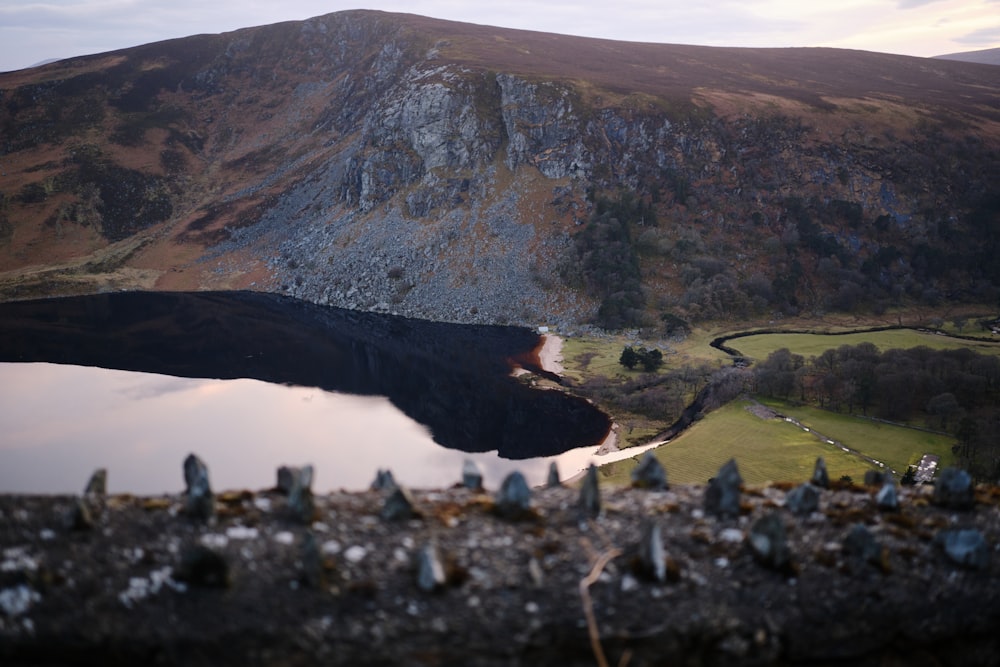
32	31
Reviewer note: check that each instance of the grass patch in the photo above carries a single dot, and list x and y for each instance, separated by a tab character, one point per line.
775	450
765	450
643	404
811	345
896	446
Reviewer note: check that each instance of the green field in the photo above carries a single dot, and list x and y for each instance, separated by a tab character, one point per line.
810	345
896	446
775	450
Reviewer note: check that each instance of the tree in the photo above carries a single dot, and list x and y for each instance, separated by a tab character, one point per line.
944	406
629	358
651	360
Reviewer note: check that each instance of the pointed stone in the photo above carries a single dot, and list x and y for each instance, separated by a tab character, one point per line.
965	547
649	474
861	546
194	470
887	499
769	543
286	478
803	500
80	517
430	569
300	499
590	493
398	506
953	489
472	475
821	477
384	481
513	500
652	555
553	480
722	497
97	485
313	574
199	502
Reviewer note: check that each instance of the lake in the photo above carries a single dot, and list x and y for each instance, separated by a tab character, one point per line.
249	381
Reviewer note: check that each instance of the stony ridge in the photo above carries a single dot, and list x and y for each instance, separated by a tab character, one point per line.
632	576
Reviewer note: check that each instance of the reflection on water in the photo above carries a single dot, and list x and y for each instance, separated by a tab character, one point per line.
61	422
348	392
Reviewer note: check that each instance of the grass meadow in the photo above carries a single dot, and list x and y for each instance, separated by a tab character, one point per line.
809	345
775	450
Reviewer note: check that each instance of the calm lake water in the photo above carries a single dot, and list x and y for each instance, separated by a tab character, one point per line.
250	382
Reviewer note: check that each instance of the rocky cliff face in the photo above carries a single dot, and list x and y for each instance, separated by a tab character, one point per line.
399	164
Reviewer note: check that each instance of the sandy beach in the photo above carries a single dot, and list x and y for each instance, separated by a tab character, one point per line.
550	356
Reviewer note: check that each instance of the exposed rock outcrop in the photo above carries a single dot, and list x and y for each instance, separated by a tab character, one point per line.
399	164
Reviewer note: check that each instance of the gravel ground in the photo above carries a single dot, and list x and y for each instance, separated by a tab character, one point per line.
346	587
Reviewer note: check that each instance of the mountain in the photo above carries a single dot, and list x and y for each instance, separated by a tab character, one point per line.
984	56
458	172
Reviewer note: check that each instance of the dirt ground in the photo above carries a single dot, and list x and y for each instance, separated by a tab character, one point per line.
554	587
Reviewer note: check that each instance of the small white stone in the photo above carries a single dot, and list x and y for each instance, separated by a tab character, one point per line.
733	535
722	562
17	600
320	527
17	558
214	540
241	533
284	537
331	547
697	513
355	554
399	553
629	583
263	503
531	607
47	534
473	601
408	543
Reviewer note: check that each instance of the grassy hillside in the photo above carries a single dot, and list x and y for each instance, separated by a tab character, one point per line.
776	450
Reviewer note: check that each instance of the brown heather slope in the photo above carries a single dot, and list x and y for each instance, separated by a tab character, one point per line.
403	164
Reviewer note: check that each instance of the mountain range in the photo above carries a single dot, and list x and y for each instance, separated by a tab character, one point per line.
457	172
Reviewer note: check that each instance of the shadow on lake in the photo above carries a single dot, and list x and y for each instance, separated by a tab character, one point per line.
454	379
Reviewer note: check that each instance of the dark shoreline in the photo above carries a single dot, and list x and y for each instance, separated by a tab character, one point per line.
455	379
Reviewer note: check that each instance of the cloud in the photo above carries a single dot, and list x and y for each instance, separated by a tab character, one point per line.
910	4
981	37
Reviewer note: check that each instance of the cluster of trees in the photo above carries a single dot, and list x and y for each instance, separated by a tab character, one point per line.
650	360
904	385
956	391
605	263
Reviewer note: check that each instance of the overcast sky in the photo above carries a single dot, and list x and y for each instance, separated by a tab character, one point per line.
32	31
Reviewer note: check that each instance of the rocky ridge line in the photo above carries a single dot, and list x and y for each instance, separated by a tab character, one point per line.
682	575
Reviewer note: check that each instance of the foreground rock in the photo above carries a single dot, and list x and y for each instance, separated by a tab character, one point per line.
258	587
